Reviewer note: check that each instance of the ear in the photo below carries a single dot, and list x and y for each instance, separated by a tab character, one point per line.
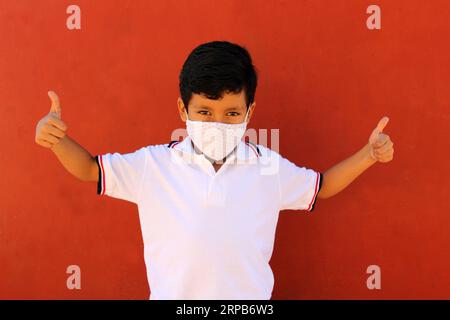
251	110
181	109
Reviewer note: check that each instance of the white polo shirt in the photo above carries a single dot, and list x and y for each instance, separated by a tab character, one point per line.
208	234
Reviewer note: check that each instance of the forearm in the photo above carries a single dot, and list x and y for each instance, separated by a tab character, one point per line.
342	174
75	159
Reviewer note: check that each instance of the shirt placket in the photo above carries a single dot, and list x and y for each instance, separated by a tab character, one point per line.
215	192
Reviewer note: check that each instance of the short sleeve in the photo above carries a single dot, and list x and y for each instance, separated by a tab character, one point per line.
299	186
120	175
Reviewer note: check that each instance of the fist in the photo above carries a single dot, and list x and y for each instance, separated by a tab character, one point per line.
51	129
381	145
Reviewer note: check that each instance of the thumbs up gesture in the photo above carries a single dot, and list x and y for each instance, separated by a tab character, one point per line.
56	107
51	129
381	146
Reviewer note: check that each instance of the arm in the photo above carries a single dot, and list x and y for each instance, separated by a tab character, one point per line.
379	149
342	174
75	159
51	133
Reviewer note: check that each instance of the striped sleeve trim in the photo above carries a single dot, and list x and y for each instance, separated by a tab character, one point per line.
318	186
101	175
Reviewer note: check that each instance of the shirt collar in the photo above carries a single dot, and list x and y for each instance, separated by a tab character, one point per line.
244	151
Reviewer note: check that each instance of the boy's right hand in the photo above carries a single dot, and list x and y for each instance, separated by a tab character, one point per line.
51	129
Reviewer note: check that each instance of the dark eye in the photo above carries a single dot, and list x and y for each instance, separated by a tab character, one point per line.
203	112
233	113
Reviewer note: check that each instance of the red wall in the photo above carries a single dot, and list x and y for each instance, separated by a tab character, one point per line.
325	81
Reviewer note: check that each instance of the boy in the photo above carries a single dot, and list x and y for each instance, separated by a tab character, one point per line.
209	204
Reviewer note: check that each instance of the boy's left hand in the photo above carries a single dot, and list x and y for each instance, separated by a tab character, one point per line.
381	146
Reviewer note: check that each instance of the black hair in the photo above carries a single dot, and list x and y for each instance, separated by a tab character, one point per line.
215	68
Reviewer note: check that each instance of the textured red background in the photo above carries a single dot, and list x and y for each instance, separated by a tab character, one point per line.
325	81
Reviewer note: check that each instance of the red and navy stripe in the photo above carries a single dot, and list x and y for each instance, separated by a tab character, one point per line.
254	147
101	175
173	143
317	188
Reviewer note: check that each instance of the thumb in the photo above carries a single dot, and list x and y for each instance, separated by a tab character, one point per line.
56	107
379	129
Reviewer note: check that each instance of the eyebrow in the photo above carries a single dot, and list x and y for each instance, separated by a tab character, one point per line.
201	106
209	108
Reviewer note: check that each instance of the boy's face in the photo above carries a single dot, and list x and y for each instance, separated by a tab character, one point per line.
230	109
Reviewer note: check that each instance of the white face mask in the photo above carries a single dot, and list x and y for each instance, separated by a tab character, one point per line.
216	139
